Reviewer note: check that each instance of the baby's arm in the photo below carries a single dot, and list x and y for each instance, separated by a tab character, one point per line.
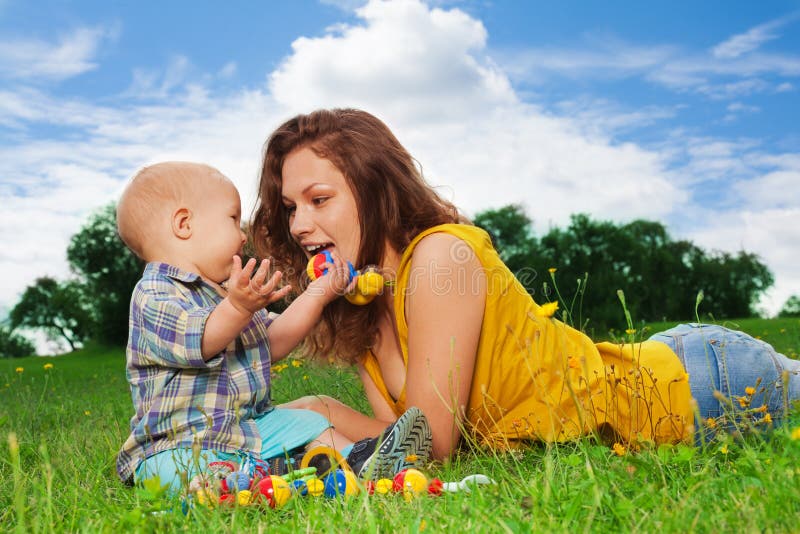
245	297
297	321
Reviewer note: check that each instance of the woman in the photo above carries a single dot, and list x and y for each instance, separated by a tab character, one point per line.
454	333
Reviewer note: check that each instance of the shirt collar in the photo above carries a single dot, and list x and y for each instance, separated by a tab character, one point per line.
154	269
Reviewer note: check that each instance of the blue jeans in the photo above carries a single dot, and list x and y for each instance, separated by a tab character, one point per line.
729	361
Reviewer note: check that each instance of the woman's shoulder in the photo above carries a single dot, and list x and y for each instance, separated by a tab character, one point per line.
449	239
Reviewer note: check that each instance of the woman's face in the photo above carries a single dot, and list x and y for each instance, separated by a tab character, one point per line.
322	208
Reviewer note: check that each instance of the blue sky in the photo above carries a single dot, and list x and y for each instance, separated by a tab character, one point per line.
682	112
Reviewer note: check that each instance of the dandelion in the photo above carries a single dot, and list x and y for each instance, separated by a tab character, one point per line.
711	422
724	449
744	402
19	370
619	449
47	366
767	419
551	270
796	434
750	390
296	363
547	310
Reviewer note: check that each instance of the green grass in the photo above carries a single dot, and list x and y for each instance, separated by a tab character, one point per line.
69	422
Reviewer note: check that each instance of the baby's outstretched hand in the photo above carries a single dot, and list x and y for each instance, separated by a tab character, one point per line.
250	294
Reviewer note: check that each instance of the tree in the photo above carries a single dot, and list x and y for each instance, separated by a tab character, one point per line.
13	345
59	308
660	277
791	308
109	272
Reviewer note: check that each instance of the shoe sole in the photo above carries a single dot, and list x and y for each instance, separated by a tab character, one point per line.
409	443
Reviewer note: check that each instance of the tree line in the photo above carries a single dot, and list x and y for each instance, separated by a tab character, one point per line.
582	266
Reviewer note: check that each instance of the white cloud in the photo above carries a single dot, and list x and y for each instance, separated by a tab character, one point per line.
748	41
71	55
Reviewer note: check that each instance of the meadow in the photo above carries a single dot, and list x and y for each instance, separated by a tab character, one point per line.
62	421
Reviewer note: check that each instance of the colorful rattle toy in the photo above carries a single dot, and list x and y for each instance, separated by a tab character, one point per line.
369	282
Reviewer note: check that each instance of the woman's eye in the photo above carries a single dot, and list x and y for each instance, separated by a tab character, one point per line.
319	200
290	209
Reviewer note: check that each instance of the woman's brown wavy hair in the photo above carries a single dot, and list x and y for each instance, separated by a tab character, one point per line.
393	200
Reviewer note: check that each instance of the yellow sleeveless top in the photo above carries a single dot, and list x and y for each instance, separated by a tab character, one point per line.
538	378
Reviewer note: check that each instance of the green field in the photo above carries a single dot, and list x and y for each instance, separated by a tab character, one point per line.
69	421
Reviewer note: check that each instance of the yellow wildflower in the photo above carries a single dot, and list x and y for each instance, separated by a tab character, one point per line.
47	366
19	370
744	402
749	390
724	449
630	331
547	310
296	363
767	419
783	330
305	377
87	412
619	449
796	433
422	525
711	422
761	409
551	270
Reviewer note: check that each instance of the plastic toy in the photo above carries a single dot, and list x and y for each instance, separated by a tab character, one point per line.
369	282
341	482
467	483
274	489
224	485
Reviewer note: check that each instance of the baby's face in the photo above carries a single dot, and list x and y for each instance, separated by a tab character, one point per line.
216	230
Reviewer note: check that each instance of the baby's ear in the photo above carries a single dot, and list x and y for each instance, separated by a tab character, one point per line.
181	223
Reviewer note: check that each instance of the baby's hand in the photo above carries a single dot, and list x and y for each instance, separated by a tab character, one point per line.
248	295
335	282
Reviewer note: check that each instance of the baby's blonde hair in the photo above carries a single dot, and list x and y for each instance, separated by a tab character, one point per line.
153	193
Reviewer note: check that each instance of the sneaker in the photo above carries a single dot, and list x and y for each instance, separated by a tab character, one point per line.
405	443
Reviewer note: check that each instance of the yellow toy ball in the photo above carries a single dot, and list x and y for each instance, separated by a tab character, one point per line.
244	497
315	487
383	486
414	484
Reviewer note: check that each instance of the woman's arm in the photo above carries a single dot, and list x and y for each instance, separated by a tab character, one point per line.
444	311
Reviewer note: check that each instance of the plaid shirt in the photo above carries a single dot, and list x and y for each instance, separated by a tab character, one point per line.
179	398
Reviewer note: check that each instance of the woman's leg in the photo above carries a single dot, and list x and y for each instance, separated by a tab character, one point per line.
728	362
348	422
